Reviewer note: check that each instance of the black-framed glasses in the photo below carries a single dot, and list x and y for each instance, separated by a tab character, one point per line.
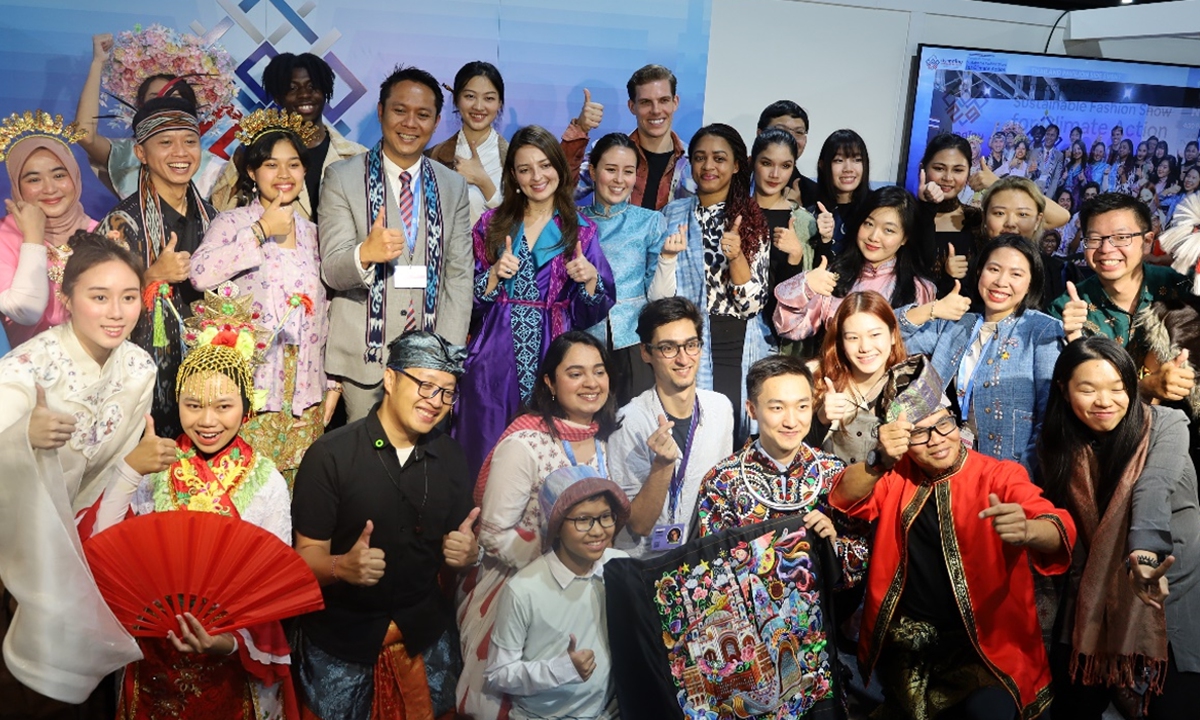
922	435
668	350
584	524
1095	242
430	391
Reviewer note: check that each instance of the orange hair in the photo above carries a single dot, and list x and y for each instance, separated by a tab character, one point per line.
834	363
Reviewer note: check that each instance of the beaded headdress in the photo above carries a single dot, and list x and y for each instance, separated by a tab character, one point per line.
37	123
224	338
261	122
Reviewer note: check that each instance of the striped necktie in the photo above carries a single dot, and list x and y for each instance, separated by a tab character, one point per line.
406	214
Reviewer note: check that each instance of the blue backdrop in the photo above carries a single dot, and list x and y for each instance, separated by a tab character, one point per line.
547	50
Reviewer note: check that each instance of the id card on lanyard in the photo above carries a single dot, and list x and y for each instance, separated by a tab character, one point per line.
671	535
411	276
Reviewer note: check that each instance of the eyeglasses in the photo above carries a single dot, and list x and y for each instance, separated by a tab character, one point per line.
430	391
1095	242
669	350
584	524
922	435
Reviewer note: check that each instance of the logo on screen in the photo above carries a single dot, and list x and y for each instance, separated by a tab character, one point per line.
933	62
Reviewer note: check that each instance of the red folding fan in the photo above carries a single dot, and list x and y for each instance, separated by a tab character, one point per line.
228	573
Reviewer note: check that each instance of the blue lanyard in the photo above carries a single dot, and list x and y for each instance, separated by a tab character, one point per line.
964	384
680	472
603	468
410	233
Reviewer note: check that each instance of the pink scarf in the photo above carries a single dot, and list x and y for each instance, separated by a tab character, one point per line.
564	430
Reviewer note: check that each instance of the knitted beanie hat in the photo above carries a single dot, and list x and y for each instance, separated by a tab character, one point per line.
566	487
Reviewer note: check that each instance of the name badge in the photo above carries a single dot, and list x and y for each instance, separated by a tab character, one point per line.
410	277
667	537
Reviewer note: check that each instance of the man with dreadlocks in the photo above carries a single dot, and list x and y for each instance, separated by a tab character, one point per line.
243	675
163	223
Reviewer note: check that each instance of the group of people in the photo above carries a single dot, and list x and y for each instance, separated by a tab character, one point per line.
565	357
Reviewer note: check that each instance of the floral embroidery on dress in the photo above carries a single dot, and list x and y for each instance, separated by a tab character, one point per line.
744	633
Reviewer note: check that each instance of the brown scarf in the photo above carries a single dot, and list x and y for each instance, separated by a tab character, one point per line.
1117	639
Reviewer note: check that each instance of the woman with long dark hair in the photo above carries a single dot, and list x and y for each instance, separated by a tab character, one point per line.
950	229
723	270
1120	466
539	271
269	250
571	416
882	259
843	182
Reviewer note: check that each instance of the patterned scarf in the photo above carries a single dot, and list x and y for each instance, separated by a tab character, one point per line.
1116	637
206	485
377	293
152	218
565	430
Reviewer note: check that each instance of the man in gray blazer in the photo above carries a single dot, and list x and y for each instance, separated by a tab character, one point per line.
395	242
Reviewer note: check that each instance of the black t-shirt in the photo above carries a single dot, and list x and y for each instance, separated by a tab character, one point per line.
808	187
312	175
779	269
680	430
656	167
352	475
928	595
189	230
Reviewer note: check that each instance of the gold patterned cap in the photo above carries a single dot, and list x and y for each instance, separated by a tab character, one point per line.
18	126
260	122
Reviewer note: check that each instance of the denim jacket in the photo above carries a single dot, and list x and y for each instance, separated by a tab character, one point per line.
1012	379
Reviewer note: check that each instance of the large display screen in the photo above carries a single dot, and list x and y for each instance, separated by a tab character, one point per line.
999	99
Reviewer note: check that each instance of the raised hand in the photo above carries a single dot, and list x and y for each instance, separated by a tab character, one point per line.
30	220
1149	582
1172	381
662	442
383	244
983	179
102	45
951	307
792	192
471	168
836	405
825	224
731	240
931	191
956	265
459	547
583	660
171	266
1074	313
48	429
894	437
153	454
193	638
786	241
820	523
675	243
820	280
581	270
363	565
1008	520
508	263
278	220
591	114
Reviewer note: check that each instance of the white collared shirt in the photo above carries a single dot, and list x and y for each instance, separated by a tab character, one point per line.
392	172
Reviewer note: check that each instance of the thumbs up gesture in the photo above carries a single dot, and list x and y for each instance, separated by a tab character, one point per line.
591	114
786	241
30	220
583	660
894	437
278	219
581	270
951	307
662	443
363	565
956	265
731	240
820	280
1074	313
153	454
836	405
48	429
507	264
471	168
824	224
1149	582
1172	381
931	192
171	266
459	547
1008	520
383	244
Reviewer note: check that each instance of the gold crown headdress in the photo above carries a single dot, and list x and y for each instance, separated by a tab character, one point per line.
17	127
259	122
224	337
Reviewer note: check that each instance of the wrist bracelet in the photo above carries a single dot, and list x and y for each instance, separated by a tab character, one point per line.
333	567
932	309
258	231
1149	561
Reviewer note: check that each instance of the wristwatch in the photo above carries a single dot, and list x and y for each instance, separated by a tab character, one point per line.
878	462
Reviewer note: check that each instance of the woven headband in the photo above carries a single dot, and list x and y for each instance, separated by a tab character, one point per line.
164	121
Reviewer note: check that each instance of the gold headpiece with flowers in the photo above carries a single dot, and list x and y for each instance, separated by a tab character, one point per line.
31	123
224	337
260	122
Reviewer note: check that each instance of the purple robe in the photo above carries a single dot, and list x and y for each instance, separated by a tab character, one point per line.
510	333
